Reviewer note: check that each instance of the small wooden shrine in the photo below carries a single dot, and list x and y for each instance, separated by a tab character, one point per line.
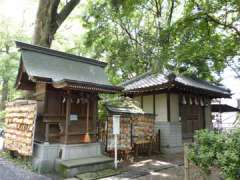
66	89
181	105
61	128
136	128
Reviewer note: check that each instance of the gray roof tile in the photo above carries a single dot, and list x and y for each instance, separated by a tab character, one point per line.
58	66
152	80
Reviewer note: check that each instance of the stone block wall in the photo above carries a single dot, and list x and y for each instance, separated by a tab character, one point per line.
171	136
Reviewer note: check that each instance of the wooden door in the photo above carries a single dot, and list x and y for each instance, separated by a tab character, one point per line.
192	117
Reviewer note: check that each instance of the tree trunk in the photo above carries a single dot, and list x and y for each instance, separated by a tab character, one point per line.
4	94
48	20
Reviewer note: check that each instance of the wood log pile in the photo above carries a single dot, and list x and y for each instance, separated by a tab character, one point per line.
142	131
20	118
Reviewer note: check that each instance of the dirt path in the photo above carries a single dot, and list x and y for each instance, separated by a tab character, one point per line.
9	171
172	173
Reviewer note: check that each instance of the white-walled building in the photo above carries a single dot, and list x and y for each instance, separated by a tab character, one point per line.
181	105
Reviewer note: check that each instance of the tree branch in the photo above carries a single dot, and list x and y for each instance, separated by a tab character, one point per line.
235	69
171	13
216	21
225	25
67	9
129	34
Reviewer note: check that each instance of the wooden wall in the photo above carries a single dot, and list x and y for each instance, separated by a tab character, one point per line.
52	119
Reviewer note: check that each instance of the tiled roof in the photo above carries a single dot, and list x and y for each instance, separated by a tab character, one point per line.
125	106
56	66
149	80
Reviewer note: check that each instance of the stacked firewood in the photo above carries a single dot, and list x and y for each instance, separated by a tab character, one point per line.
142	131
19	119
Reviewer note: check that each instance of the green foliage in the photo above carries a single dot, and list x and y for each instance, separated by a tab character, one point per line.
204	152
196	37
2	116
217	149
229	158
128	34
9	59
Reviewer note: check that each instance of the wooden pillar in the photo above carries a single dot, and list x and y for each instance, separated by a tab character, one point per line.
46	132
87	136
141	101
68	111
168	107
131	133
95	118
87	123
45	111
204	116
106	147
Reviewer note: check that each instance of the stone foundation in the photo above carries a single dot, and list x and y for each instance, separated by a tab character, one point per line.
46	155
171	136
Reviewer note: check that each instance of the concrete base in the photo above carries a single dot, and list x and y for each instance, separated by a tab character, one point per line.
76	151
70	168
45	155
171	136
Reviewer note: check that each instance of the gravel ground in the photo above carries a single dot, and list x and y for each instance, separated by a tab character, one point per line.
169	167
173	173
9	171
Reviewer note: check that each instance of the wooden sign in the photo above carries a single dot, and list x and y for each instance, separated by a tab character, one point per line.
73	117
20	121
116	124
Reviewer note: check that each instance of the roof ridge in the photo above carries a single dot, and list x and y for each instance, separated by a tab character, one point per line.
207	83
135	78
57	53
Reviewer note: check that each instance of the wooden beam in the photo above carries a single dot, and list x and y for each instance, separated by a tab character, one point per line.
68	111
168	107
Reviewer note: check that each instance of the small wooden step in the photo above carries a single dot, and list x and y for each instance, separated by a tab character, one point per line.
70	168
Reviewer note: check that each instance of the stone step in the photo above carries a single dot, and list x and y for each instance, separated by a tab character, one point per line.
70	168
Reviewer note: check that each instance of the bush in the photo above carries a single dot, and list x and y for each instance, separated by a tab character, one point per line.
221	150
229	159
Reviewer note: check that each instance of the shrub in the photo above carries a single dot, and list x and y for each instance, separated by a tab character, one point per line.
229	159
221	150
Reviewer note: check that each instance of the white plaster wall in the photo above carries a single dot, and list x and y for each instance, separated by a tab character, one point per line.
161	107
174	108
148	103
138	99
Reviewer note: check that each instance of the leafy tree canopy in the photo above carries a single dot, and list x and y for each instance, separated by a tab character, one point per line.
192	37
